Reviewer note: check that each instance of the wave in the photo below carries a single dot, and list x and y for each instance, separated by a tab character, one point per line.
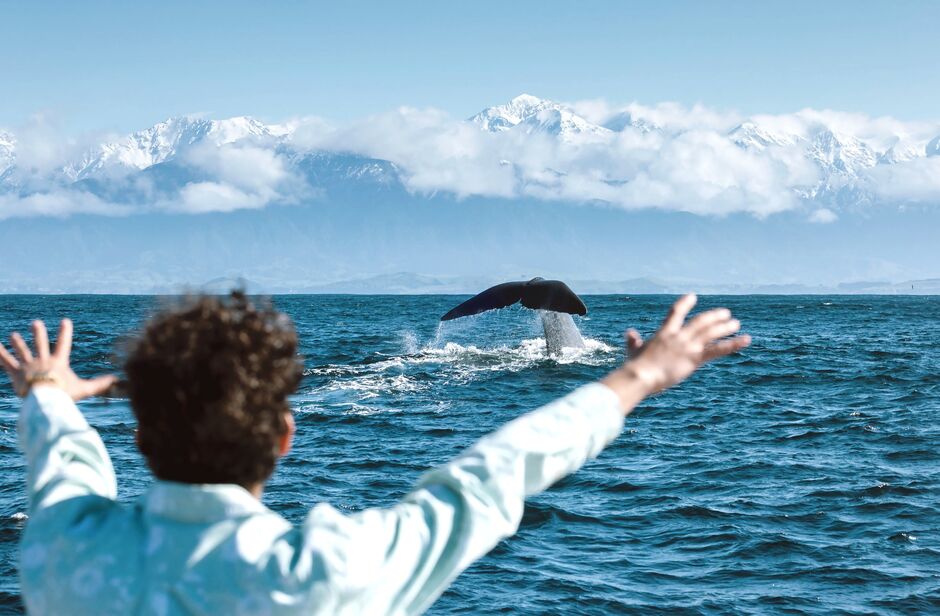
417	371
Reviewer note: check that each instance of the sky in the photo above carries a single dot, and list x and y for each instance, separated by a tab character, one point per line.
119	66
391	83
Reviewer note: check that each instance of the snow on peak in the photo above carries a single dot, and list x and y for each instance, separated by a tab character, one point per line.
620	121
752	136
841	153
561	122
527	100
7	156
238	128
831	159
164	141
535	115
901	151
7	144
504	117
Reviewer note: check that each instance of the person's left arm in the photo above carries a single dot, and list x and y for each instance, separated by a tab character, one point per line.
65	457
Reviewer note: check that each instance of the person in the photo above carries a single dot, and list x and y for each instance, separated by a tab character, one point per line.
209	382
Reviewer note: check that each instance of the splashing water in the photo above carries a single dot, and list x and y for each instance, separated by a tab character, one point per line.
415	371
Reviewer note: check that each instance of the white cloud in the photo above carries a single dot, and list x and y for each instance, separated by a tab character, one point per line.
40	145
916	180
437	152
58	203
664	156
202	197
243	176
697	170
823	216
246	166
237	176
668	114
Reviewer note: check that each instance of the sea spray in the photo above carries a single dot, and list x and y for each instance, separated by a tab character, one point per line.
409	342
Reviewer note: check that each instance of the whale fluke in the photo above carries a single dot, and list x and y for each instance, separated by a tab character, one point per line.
537	294
552	298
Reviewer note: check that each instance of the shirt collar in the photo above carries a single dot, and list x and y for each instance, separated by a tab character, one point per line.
200	503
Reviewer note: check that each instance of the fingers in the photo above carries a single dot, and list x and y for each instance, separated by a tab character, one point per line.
40	339
95	387
19	347
8	362
634	343
725	347
720	330
707	319
63	341
678	312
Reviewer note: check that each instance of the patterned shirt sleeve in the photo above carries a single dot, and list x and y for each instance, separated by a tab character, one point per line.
399	560
65	457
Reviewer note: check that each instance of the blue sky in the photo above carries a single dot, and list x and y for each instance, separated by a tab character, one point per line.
838	181
122	66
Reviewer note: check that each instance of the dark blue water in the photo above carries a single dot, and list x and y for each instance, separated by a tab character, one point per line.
802	476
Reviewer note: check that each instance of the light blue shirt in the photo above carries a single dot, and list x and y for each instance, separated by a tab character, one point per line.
215	549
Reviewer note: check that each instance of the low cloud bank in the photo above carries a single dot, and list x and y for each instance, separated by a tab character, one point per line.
667	156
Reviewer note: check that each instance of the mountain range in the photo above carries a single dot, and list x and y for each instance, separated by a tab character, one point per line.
408	283
617	200
841	162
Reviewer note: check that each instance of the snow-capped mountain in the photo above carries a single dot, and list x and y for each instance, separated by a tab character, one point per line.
165	141
753	136
840	153
164	157
335	170
620	121
841	161
505	117
531	114
7	156
903	150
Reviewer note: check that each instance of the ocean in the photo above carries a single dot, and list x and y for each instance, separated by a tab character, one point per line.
801	476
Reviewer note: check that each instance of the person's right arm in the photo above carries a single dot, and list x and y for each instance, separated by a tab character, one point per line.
65	457
399	560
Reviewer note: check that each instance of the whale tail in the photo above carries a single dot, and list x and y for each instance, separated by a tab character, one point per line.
537	294
552	298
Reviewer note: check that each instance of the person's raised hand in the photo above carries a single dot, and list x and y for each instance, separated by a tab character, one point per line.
27	370
676	350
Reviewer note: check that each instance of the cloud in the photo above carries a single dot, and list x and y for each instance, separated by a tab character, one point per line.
665	156
230	177
241	176
667	114
696	170
436	152
246	166
915	181
58	203
41	147
823	216
202	197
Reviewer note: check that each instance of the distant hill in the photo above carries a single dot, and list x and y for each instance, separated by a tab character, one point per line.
405	283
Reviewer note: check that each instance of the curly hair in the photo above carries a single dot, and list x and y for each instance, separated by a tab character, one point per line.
208	382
